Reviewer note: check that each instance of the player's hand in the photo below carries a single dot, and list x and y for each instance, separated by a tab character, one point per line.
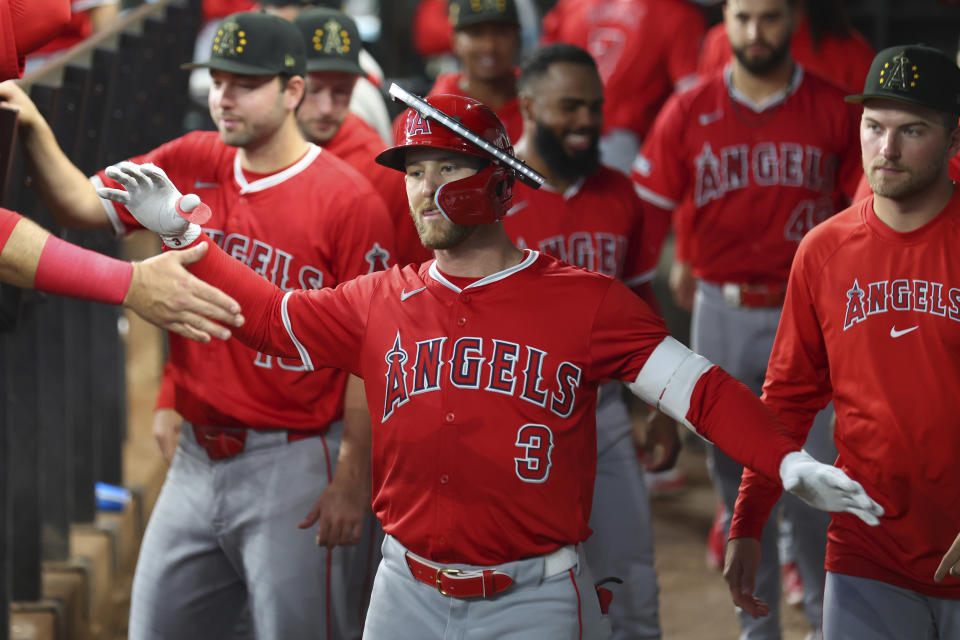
740	572
683	285
155	202
338	514
13	97
950	564
827	488
163	292
659	440
166	429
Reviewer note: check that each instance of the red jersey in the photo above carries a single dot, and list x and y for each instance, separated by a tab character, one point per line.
357	144
872	320
431	30
596	224
644	50
315	224
78	29
753	179
483	398
25	26
864	191
844	61
509	113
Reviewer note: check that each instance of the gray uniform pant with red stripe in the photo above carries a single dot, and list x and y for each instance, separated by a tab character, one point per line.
562	606
740	341
223	542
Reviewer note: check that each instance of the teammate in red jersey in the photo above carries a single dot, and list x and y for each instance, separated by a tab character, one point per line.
872	320
333	69
486	41
645	50
561	98
824	42
751	159
483	410
261	434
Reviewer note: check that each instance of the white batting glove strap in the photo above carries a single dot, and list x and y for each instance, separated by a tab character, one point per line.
152	199
826	487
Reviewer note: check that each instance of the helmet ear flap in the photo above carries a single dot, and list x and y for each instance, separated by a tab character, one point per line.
478	199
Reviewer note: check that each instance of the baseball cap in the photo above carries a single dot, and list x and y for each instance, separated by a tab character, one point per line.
256	44
464	13
332	40
915	73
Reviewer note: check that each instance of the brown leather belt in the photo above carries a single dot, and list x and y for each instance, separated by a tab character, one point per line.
738	294
226	442
459	584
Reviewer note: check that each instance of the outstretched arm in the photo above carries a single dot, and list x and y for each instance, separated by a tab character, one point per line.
160	289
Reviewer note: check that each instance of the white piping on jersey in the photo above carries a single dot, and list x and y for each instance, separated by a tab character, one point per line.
641	278
302	350
668	378
684	83
654	198
275	178
108	206
777	98
493	277
570	191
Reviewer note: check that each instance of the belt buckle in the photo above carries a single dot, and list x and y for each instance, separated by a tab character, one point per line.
732	293
440	573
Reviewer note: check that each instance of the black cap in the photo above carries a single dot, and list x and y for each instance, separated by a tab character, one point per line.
916	74
256	44
464	13
332	40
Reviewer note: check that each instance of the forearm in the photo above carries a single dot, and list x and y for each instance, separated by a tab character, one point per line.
755	500
353	463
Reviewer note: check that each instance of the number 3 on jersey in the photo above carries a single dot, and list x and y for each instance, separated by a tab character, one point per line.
536	443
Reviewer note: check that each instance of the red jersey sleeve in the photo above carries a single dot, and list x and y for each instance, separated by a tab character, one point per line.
432	32
660	174
796	388
715	52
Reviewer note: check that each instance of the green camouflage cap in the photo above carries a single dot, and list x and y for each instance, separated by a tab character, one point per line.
332	40
916	74
464	13
256	44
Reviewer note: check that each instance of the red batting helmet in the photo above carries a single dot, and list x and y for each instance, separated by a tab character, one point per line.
478	199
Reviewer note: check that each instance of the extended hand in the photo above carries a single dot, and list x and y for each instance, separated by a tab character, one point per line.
163	292
950	563
340	510
740	572
826	487
660	441
155	202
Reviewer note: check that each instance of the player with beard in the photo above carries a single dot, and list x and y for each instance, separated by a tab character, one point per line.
747	162
872	320
262	437
561	99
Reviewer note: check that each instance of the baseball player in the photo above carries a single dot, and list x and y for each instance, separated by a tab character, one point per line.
751	159
486	41
160	290
483	410
260	445
871	320
561	99
333	70
645	50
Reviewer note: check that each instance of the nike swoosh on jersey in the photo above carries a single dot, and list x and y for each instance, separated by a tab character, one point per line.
200	184
896	334
404	294
707	118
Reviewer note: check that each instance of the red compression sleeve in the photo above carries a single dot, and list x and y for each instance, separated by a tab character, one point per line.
727	413
8	220
68	270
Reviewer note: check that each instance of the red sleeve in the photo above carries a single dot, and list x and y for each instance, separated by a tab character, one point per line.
8	220
715	52
432	33
166	394
660	174
683	49
35	22
683	231
625	333
796	388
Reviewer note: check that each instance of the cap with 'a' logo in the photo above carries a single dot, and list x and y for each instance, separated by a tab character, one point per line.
464	13
332	40
916	74
256	44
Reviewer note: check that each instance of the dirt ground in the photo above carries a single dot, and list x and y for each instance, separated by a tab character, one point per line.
694	602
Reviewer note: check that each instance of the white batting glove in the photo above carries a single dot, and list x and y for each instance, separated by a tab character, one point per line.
826	487
156	203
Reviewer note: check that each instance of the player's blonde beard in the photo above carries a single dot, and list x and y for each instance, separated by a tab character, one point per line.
910	183
439	233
